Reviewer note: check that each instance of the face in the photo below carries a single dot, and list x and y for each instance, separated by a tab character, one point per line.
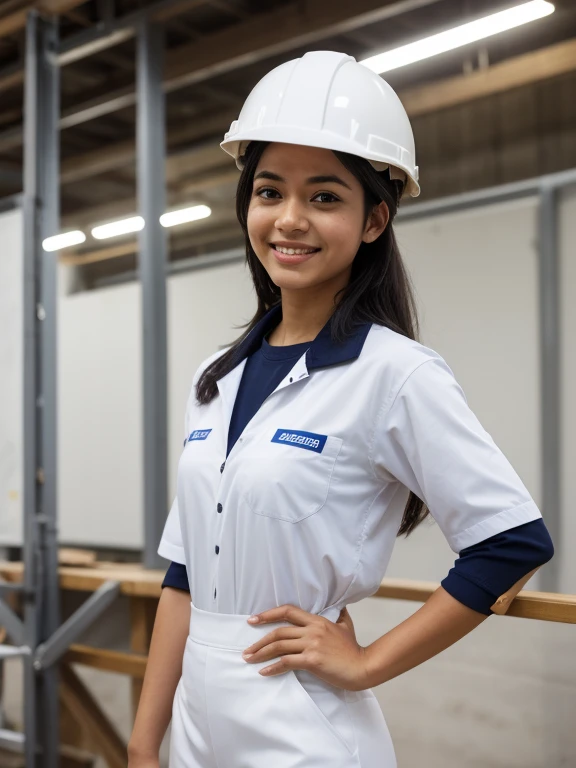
303	198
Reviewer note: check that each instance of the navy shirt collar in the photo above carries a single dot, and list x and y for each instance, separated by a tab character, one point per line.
322	352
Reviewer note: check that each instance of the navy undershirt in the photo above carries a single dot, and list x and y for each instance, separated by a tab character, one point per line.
481	573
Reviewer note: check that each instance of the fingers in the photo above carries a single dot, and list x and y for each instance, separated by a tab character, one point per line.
274	650
282	633
288	612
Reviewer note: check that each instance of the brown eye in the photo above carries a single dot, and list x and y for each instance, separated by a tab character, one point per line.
327	194
265	189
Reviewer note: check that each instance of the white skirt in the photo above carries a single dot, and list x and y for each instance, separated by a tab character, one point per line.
226	715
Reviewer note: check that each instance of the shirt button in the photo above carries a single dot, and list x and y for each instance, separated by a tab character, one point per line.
222	467
217	549
219	507
291	379
214	593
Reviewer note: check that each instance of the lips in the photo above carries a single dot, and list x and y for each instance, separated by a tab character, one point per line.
308	248
295	258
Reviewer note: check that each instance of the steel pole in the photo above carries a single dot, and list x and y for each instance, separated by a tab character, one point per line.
151	148
41	219
550	377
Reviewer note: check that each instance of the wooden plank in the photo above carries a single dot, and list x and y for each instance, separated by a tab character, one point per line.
263	35
70	556
132	664
134	580
274	33
70	757
544	63
14	22
104	739
537	65
12	80
121	153
544	606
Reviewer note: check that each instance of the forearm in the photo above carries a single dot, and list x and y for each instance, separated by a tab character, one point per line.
439	623
163	672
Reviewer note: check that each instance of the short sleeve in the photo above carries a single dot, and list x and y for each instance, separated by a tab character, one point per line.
171	545
431	441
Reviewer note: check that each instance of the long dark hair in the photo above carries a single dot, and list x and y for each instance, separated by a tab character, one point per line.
379	290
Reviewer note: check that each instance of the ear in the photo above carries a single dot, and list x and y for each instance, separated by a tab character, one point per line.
377	222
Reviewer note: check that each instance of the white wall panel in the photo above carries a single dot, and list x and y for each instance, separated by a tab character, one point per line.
100	420
567	241
100	398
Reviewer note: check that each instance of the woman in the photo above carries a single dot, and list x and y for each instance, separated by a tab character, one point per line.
311	443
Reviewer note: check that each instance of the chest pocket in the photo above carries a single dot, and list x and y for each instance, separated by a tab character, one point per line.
288	482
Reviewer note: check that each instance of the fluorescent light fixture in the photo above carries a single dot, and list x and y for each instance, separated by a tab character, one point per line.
122	227
64	240
454	38
183	215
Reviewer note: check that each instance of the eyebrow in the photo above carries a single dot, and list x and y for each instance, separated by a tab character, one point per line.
311	180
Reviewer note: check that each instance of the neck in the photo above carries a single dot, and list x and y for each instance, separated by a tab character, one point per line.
301	321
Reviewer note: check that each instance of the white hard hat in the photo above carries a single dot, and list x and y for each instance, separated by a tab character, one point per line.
327	99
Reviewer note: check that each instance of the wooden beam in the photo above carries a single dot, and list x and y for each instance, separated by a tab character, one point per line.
276	32
57	7
98	161
543	606
103	736
134	580
260	37
11	79
15	21
521	70
132	664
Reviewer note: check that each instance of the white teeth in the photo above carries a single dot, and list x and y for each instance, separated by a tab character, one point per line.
292	251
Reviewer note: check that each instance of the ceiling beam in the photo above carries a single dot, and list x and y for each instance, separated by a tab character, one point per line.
262	36
16	21
11	77
79	167
522	70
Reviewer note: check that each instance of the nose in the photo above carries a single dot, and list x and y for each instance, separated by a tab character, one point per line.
291	217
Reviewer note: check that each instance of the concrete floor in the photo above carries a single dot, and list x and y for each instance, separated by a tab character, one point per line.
503	697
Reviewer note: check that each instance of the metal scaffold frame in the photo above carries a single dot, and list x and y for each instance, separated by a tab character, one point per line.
39	638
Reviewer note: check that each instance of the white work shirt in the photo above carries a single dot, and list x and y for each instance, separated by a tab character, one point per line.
311	519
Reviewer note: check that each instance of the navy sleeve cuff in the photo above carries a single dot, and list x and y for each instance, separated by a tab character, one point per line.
468	593
491	567
176	577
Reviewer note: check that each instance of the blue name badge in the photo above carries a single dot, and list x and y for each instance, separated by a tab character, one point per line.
308	440
199	434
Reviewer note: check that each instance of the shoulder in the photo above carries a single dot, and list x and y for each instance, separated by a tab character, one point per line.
389	350
393	358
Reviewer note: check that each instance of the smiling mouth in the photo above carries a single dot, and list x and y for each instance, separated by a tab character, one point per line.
294	251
